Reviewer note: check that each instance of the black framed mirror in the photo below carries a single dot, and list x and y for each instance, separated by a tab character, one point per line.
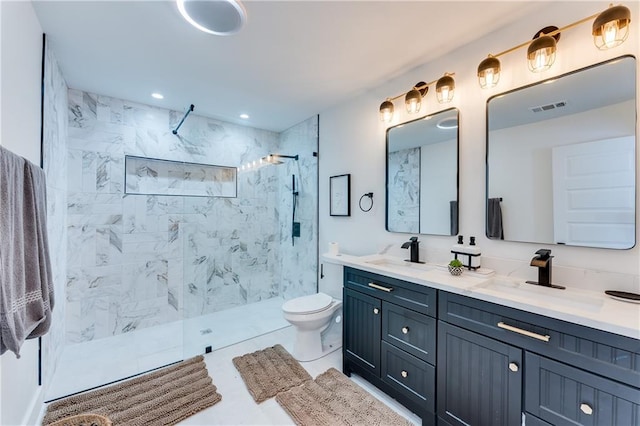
561	159
422	175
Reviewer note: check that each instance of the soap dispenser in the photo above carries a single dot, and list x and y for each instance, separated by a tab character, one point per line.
474	253
457	248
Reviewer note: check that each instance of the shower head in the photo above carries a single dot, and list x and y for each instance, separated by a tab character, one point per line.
277	158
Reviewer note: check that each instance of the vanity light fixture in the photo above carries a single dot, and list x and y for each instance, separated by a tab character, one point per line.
413	98
445	87
541	53
610	29
489	72
386	111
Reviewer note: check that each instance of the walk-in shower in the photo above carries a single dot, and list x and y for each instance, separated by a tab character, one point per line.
197	254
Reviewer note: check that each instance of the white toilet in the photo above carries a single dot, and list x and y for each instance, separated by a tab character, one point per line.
318	322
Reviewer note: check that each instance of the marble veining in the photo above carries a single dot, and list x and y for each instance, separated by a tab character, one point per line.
137	261
404	191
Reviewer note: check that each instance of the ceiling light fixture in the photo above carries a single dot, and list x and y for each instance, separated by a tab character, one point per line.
610	29
445	87
448	123
157	95
218	17
244	116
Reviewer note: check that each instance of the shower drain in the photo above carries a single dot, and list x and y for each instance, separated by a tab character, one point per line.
206	331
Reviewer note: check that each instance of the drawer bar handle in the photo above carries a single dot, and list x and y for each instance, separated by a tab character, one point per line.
379	287
544	338
405	374
405	330
585	408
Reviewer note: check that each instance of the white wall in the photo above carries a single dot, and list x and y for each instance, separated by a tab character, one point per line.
353	138
20	78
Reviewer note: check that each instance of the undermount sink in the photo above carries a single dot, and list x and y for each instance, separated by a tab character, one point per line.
569	298
399	264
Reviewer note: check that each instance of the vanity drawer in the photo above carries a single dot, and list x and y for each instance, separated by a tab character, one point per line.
411	331
409	375
610	355
409	295
563	395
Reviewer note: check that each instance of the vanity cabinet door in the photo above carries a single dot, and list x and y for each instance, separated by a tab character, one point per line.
361	339
566	396
479	379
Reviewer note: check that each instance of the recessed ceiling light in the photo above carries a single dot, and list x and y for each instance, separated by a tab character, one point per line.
448	123
244	116
157	95
219	17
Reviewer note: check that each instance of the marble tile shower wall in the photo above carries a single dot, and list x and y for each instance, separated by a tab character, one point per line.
136	261
54	160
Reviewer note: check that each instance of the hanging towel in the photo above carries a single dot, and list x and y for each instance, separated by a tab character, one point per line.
494	219
26	289
453	217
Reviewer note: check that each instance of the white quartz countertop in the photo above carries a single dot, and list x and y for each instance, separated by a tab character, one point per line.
589	308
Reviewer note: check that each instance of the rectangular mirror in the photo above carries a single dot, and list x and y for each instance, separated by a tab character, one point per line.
422	175
561	159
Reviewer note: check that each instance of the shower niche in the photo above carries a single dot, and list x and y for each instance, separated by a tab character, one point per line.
154	176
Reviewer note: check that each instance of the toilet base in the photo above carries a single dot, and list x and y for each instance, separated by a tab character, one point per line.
308	347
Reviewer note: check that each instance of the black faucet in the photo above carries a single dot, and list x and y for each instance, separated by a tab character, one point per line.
542	261
415	251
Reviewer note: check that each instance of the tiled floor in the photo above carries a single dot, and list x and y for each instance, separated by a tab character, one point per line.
95	363
238	408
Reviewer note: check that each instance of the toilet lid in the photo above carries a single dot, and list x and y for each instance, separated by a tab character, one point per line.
307	304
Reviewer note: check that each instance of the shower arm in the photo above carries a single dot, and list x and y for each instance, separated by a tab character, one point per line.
175	131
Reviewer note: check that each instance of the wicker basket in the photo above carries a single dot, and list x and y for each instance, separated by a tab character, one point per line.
83	420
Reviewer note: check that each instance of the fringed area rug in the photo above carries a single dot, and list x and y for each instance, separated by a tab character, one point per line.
162	397
332	399
269	371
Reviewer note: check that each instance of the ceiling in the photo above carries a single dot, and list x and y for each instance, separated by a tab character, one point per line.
293	59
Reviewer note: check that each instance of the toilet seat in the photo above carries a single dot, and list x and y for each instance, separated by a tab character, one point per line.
308	304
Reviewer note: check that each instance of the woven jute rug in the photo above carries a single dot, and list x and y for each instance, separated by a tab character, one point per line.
162	397
269	371
332	399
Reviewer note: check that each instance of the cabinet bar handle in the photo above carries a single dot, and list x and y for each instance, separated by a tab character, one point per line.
379	287
405	374
376	311
405	330
585	408
544	338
